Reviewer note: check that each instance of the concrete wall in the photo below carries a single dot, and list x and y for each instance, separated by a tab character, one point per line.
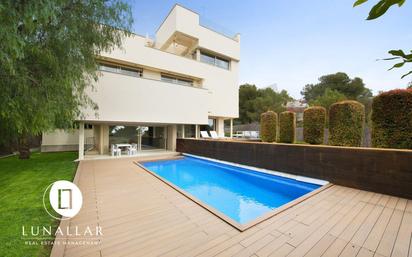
61	140
386	171
186	21
129	99
221	84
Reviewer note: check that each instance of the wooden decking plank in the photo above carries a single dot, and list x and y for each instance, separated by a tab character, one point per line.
388	239
363	232
378	230
284	250
210	244
272	246
355	224
231	251
321	246
404	237
350	250
335	248
363	252
256	246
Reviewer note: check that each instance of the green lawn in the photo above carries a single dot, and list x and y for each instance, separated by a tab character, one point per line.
22	183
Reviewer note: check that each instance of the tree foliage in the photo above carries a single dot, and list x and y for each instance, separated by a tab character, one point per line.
339	82
48	57
253	101
377	11
329	97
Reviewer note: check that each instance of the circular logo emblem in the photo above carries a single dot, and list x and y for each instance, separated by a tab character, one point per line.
65	198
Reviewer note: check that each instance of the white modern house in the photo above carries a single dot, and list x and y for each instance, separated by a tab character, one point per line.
153	91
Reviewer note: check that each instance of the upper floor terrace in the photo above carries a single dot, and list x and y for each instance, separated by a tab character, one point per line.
183	33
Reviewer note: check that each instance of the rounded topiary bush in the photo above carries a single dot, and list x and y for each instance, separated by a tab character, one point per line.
268	126
392	119
287	126
346	123
314	120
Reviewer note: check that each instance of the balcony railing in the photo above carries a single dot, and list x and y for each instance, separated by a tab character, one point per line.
205	22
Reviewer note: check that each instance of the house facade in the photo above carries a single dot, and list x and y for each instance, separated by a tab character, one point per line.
153	91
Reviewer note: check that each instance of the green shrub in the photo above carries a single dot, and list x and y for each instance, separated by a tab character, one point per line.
346	123
287	126
268	126
314	119
392	119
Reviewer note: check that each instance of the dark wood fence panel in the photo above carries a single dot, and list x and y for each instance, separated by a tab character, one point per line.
386	171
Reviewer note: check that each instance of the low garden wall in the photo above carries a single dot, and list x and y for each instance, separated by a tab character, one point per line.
387	171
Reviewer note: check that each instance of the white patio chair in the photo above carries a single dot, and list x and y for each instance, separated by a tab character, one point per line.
116	151
246	134
204	134
254	134
214	135
132	150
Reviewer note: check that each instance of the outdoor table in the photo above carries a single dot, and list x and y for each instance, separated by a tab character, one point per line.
123	145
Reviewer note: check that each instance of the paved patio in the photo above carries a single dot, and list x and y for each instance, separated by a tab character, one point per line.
142	216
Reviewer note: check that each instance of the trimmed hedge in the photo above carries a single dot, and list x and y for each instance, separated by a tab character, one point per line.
346	123
268	126
287	126
392	119
314	120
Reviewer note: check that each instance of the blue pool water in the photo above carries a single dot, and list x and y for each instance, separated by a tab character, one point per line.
241	194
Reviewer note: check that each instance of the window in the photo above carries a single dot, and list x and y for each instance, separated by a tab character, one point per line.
190	131
134	72
214	60
176	80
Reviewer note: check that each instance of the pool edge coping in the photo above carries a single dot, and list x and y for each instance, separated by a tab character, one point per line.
224	217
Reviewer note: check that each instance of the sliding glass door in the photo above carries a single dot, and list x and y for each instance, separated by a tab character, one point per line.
154	138
146	137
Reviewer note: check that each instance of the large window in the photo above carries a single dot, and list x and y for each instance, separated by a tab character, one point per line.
214	60
176	80
134	72
190	131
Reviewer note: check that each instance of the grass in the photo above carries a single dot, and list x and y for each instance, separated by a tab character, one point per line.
22	183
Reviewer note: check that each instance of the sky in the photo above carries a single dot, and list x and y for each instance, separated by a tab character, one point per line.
292	43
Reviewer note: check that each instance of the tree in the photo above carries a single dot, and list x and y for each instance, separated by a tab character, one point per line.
340	82
329	97
254	101
377	11
409	85
48	57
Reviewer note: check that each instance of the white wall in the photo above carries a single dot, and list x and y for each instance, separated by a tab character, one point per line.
129	99
222	84
62	137
188	22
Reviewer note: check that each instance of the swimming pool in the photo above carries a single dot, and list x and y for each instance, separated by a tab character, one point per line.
241	194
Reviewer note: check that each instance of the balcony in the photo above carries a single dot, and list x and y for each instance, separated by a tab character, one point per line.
130	99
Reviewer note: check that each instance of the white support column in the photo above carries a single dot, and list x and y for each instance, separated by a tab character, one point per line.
197	131
231	128
81	140
220	127
197	54
171	137
183	131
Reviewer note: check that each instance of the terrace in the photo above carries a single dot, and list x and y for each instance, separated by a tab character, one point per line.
142	216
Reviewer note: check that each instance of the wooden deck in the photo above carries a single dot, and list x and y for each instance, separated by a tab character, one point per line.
142	216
